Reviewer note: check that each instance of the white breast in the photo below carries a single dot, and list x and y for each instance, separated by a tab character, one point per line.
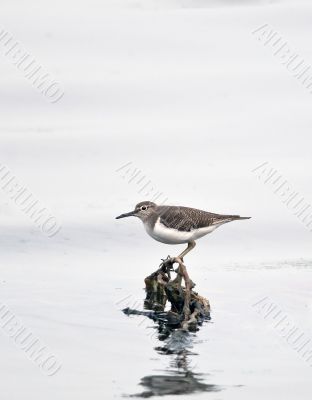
174	236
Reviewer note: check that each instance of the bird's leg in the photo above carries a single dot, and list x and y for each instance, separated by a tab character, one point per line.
190	246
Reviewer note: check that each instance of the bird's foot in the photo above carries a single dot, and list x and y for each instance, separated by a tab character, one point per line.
167	263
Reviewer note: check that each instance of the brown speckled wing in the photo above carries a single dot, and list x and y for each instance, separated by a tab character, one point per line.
187	219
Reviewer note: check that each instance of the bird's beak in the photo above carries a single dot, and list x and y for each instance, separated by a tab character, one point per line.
129	214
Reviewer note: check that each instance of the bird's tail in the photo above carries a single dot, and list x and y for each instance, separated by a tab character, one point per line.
223	219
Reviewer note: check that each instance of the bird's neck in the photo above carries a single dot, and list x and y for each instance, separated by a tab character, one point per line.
150	221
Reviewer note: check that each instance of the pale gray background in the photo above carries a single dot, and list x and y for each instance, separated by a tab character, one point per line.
184	91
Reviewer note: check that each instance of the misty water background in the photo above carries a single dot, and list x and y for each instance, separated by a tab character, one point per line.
185	93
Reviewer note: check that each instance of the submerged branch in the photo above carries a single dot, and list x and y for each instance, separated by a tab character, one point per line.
188	309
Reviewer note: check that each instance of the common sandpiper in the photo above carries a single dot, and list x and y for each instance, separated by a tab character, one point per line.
176	225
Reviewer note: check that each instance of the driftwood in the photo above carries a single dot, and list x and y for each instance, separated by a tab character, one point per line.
188	309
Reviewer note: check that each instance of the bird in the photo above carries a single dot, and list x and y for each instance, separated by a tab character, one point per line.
176	224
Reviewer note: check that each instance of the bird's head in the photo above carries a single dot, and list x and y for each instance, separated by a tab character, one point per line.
142	210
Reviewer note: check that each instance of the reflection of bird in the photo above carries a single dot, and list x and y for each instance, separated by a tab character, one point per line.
174	383
176	225
180	378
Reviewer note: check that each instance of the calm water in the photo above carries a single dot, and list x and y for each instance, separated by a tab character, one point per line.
237	354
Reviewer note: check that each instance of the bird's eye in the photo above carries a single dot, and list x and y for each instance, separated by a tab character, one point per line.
143	208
